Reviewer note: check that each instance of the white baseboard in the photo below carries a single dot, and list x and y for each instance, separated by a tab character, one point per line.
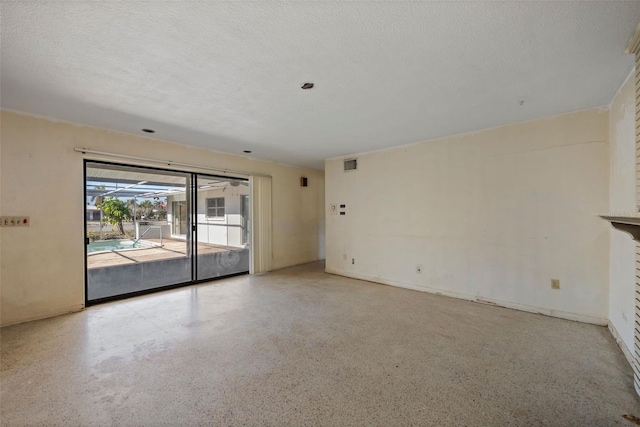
625	350
49	313
474	298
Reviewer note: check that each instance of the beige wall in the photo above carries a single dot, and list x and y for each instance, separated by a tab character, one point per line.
490	216
41	267
623	196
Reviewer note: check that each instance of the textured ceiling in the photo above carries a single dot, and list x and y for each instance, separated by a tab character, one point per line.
227	75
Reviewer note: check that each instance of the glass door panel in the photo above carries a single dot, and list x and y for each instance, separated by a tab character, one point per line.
137	229
222	226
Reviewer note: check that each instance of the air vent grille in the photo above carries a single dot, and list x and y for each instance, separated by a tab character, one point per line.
350	165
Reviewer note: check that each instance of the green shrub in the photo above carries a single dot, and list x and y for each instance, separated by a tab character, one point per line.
93	236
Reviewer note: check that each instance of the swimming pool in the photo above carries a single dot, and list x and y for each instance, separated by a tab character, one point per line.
118	245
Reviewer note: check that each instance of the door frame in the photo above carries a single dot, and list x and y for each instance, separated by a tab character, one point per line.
245	213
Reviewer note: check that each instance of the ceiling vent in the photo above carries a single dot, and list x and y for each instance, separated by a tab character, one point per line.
350	165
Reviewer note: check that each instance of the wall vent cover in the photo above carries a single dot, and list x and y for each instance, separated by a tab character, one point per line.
350	165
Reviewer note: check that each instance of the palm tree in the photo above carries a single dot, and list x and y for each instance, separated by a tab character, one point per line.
146	207
98	198
159	209
132	204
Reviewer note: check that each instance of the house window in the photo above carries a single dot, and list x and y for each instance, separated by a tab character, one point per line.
215	207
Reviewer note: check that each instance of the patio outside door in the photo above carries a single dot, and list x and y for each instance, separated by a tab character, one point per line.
180	221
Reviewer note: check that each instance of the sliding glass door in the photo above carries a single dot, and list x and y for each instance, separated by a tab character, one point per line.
150	229
221	245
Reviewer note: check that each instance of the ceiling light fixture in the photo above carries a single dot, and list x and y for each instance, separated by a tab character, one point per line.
307	86
148	130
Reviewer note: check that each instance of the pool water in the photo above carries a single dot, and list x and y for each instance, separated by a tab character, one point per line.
117	245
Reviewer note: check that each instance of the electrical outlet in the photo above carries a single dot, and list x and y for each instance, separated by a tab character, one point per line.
353	261
418	269
555	284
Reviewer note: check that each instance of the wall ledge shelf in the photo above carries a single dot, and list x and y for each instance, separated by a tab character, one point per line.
628	224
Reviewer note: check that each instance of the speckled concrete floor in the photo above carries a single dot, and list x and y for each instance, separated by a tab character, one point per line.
300	347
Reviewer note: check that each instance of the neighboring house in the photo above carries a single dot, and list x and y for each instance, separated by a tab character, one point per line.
222	215
93	213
